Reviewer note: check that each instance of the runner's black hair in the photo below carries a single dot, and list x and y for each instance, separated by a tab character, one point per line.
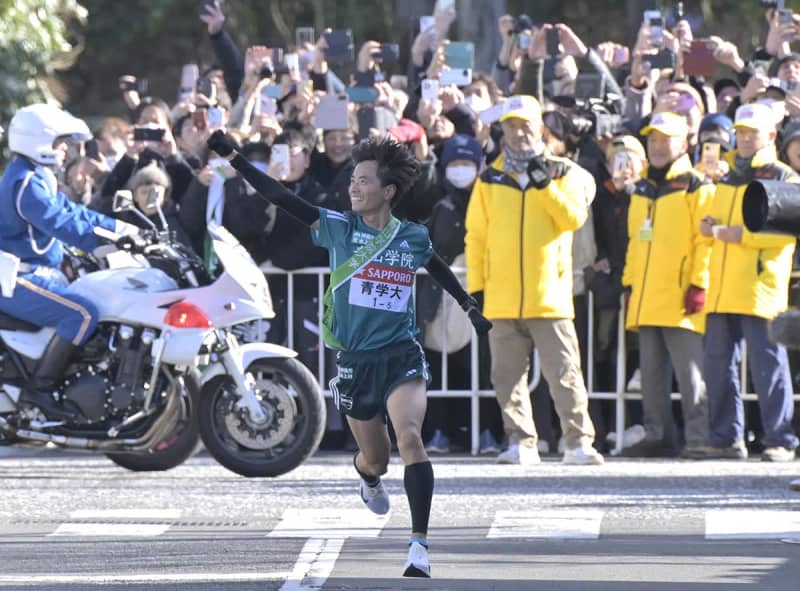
396	166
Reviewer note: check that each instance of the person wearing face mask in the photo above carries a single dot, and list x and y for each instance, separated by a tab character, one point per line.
480	96
333	167
461	161
665	279
521	216
749	286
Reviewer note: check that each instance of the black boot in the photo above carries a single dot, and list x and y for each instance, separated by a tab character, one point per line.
49	371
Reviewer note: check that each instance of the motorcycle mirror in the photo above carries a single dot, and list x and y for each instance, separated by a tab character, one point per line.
123	201
154	203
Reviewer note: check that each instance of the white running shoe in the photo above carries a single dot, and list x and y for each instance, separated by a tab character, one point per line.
584	455
519	454
375	497
417	564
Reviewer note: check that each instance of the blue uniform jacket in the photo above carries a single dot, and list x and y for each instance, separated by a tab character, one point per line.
33	224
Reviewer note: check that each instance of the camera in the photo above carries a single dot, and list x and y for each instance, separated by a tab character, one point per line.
265	72
595	117
768	4
774	207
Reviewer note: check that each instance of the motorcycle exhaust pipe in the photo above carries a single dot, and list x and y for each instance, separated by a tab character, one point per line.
160	429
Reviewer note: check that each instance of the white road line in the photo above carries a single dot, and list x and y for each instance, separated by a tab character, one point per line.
326	523
155	579
126	530
747	524
314	565
327	530
547	523
126	514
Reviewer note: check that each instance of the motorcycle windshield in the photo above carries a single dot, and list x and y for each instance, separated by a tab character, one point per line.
240	265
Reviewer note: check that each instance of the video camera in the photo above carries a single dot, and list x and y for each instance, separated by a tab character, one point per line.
595	117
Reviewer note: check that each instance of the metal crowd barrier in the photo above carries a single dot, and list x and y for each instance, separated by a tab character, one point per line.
474	393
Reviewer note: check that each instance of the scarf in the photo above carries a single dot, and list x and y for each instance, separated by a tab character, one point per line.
742	164
517	162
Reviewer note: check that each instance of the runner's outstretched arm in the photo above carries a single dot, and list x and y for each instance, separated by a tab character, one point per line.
444	276
267	187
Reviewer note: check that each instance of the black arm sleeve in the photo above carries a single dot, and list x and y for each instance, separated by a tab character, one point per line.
274	192
442	274
231	60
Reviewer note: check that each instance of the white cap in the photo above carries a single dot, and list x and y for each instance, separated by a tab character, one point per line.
755	116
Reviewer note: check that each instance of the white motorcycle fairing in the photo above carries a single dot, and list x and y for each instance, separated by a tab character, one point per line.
28	344
142	296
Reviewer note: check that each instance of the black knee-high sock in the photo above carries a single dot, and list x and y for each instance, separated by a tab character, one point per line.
418	481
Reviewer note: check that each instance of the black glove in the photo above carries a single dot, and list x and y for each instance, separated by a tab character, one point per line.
479	321
539	172
132	243
221	144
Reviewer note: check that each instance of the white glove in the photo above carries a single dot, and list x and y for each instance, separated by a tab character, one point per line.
126	229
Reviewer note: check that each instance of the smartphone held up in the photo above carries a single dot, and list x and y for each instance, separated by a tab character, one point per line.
279	160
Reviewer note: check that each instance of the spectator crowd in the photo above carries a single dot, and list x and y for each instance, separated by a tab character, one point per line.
565	170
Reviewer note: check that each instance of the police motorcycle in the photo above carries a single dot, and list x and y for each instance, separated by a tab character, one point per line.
165	364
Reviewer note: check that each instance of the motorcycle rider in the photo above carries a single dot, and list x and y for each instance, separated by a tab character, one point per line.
35	219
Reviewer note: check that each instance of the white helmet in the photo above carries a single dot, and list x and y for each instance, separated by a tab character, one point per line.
34	128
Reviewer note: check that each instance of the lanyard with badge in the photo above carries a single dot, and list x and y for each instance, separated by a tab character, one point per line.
646	231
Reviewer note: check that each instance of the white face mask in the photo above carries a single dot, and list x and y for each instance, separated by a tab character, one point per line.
477	103
461	177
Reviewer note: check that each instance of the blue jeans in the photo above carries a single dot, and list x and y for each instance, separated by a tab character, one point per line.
769	367
43	299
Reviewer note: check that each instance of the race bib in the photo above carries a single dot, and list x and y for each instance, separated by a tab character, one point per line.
382	288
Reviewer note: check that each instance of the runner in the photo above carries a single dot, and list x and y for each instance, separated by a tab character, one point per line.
369	318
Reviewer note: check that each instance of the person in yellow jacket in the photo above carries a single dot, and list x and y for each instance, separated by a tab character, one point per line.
666	277
749	286
518	246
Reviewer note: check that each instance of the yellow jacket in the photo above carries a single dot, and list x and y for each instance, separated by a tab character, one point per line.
666	252
518	244
751	277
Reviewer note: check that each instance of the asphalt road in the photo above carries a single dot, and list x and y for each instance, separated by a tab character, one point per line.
79	522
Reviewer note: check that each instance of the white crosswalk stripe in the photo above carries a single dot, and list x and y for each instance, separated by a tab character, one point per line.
755	524
328	523
546	523
123	523
551	523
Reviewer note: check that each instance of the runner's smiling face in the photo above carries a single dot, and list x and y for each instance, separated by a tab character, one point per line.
367	196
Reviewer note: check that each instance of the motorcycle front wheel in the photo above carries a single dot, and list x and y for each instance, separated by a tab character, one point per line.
174	449
295	419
